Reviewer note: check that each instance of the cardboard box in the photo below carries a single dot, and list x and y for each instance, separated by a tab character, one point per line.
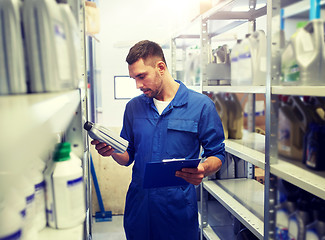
259	175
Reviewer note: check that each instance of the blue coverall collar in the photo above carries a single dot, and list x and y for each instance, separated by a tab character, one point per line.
180	98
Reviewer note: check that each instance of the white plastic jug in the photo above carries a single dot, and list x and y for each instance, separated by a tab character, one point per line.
303	61
47	46
234	64
65	194
252	59
10	222
221	107
12	59
235	117
73	38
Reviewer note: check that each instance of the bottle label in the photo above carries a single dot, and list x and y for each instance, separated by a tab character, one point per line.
76	190
281	233
14	236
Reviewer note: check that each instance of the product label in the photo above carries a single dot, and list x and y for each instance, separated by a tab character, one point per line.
291	73
14	236
40	198
312	147
77	197
284	143
281	233
282	221
62	52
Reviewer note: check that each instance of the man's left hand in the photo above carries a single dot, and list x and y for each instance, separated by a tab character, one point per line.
192	175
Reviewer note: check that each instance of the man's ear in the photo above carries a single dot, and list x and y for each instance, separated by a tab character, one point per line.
161	67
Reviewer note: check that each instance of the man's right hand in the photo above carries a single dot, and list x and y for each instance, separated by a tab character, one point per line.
102	148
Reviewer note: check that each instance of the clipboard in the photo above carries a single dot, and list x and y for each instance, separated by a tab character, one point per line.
162	174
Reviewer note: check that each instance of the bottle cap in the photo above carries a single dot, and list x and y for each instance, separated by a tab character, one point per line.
88	125
301	24
62	152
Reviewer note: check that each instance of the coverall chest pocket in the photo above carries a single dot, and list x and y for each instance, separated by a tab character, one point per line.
182	138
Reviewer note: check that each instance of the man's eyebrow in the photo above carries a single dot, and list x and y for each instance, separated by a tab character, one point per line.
139	75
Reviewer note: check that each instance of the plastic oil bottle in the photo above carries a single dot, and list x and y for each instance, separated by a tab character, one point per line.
314	141
12	62
96	131
221	107
73	37
303	61
235	117
10	222
234	63
37	178
252	59
283	211
287	198
258	40
294	118
300	218
47	46
316	230
245	62
65	205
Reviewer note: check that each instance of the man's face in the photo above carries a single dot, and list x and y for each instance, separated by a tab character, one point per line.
147	78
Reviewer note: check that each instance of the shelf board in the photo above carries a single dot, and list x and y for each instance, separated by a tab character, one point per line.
244	198
298	9
29	123
235	89
299	90
209	233
251	148
75	233
298	174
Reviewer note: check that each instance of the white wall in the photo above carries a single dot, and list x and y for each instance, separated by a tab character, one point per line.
123	23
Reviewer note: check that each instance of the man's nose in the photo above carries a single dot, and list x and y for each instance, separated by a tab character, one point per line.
138	84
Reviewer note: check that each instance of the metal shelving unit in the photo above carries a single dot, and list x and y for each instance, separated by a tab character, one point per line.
261	151
244	198
31	123
250	148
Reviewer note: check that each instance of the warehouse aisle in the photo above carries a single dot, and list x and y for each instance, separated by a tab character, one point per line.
109	230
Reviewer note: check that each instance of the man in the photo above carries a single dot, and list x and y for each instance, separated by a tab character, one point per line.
167	121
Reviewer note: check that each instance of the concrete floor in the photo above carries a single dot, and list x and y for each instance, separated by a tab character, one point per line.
112	230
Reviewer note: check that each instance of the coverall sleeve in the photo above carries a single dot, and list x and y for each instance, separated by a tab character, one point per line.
211	133
127	133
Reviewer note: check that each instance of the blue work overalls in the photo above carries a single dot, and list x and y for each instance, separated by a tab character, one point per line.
189	121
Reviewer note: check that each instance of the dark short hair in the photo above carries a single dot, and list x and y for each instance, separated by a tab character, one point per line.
145	49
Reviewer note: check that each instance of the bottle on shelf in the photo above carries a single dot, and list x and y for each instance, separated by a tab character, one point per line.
294	118
234	63
303	60
287	198
47	47
12	58
314	140
235	117
65	198
37	178
282	213
316	230
252	59
221	107
299	220
10	222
